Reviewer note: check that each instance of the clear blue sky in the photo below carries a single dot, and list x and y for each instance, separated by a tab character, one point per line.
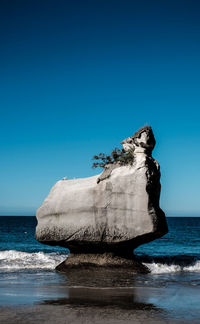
77	77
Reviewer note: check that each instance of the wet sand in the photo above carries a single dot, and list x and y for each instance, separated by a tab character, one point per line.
63	314
91	305
97	297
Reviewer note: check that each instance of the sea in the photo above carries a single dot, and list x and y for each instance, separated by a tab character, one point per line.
28	276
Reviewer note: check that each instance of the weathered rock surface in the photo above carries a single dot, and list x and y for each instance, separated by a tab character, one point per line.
113	213
104	260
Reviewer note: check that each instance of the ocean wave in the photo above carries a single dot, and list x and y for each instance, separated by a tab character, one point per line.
159	268
16	260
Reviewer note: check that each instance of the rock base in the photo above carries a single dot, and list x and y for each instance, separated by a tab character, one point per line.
105	260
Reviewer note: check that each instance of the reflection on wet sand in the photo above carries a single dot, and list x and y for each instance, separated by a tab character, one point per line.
119	296
103	288
111	289
123	298
99	277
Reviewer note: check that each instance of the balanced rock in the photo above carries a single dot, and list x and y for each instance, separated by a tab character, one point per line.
113	212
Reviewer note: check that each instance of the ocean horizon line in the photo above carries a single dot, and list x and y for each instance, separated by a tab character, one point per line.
169	216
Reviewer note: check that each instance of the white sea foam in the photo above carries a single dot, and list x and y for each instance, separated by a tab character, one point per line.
158	268
13	260
16	260
195	267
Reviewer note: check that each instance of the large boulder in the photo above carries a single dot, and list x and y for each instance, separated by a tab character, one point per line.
113	212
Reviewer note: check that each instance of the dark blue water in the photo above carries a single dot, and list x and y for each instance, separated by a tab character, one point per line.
27	272
18	233
180	247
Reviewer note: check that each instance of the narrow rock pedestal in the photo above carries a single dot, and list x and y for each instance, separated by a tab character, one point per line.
105	260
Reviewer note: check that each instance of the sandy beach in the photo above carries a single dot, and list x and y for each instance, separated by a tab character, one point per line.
82	314
79	304
63	314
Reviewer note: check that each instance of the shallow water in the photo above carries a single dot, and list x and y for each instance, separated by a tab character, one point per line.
175	297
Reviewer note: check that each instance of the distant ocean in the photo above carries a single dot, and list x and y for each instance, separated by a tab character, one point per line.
28	275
